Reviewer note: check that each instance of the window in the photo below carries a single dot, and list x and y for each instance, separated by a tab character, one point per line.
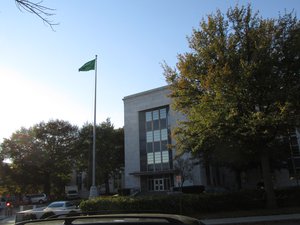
165	156
148	116
164	134
150	159
157	157
157	146
156	135
164	145
149	136
149	126
149	147
163	113
155	115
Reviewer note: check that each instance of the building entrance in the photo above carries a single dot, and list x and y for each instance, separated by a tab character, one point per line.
159	184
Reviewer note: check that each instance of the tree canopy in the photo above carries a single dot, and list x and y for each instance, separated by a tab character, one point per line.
42	156
109	151
239	87
45	155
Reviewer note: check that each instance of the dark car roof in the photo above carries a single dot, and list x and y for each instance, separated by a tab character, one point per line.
124	219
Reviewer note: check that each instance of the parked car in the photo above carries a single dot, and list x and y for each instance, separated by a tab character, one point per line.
36	198
54	208
60	205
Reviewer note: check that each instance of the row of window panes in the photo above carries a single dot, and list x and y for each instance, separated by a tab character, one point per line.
156	124
156	114
157	135
157	146
158	157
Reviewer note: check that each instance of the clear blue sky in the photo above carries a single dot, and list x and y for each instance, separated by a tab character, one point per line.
39	78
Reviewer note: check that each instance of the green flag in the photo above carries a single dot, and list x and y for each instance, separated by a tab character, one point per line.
88	66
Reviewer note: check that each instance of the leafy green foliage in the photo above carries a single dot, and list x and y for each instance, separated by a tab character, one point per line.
239	88
42	156
187	204
109	150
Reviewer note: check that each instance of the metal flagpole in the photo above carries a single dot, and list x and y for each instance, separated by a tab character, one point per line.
93	190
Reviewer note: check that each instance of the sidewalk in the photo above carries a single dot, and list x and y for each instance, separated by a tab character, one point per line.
4	215
253	219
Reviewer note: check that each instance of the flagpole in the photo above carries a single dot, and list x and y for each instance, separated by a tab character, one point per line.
93	190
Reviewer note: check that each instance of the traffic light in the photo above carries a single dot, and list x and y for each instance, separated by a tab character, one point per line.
8	204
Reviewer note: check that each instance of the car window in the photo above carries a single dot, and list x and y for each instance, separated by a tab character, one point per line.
56	205
69	204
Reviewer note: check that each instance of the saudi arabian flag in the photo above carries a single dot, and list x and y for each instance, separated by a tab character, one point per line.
88	66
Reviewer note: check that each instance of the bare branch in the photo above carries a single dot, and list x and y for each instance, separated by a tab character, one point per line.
38	9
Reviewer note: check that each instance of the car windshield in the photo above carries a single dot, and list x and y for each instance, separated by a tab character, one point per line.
188	109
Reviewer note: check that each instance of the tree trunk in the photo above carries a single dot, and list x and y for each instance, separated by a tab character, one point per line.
47	184
207	173
267	176
107	184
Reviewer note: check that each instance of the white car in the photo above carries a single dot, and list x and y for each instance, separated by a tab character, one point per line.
54	208
36	198
60	205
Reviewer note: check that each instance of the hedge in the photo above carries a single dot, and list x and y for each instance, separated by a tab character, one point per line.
190	203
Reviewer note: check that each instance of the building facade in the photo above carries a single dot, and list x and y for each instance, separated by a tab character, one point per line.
150	163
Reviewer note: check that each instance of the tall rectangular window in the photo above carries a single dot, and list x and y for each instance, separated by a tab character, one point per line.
165	156
155	115
149	136
157	157
163	113
156	134
164	134
148	116
150	159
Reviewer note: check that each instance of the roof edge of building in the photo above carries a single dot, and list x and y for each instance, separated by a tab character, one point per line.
145	92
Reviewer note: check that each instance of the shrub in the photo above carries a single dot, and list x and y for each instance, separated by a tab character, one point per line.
195	189
189	204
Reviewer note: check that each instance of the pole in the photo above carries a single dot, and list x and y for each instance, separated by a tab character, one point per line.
93	190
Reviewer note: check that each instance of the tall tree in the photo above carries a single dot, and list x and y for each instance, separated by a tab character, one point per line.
57	140
42	156
109	151
239	86
23	151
